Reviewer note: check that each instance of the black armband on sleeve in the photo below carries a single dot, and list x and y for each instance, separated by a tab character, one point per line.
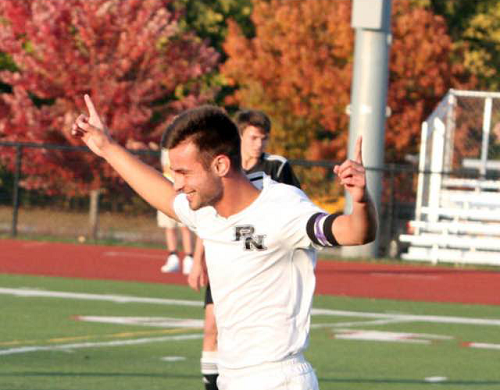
319	229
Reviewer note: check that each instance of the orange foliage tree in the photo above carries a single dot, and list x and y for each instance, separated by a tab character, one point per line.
298	68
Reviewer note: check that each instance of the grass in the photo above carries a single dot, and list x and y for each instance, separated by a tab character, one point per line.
29	321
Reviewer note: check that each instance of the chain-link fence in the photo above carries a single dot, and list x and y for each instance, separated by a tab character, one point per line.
113	212
450	199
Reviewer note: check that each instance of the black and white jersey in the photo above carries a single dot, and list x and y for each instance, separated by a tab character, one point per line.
277	167
260	264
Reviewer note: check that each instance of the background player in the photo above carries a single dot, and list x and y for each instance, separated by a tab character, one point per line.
254	127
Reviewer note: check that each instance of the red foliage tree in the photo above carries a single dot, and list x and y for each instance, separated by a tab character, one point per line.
131	56
298	67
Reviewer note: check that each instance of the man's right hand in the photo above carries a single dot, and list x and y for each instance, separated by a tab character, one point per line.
91	129
150	184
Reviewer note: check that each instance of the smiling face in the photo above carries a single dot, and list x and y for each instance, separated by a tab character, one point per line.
201	184
253	142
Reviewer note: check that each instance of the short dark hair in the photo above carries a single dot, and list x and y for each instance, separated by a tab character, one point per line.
256	118
210	129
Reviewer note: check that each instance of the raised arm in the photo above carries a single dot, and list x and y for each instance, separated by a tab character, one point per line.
359	227
150	184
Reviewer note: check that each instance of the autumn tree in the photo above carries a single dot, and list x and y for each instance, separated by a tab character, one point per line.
298	68
424	65
131	56
475	27
208	18
299	55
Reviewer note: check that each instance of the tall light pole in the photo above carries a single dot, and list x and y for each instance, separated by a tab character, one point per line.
371	20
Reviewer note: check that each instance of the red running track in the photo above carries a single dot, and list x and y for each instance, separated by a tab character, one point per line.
353	279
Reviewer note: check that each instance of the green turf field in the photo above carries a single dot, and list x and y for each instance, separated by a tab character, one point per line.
45	343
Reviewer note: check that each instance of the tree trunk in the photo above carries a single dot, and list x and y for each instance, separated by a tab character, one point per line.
94	214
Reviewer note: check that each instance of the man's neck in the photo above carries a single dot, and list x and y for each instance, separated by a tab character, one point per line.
239	193
248	162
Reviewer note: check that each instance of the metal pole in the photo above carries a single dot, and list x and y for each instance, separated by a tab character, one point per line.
488	105
371	20
15	202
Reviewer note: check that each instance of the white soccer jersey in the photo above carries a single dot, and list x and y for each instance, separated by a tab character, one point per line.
261	268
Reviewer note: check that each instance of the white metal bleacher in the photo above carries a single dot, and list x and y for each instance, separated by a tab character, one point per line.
464	228
457	219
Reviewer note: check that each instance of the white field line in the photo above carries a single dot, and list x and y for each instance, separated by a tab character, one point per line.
158	322
409	317
134	254
69	347
483	345
397	337
359	323
405	276
26	292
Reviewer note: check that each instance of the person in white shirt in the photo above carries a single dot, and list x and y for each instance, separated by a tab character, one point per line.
260	245
254	127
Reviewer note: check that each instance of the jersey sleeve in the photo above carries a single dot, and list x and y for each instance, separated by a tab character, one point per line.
287	176
184	213
299	211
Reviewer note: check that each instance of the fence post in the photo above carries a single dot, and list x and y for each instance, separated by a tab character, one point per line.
392	202
94	213
15	202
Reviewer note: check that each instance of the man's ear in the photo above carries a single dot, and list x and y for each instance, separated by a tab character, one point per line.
221	165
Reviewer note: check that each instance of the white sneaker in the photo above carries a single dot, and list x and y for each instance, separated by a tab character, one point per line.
187	264
171	265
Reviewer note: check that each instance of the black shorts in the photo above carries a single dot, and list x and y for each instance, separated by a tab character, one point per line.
208	296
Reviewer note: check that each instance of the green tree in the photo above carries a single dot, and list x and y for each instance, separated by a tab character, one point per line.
208	18
475	27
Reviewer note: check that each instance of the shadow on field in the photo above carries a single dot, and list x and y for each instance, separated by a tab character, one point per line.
386	381
97	374
389	381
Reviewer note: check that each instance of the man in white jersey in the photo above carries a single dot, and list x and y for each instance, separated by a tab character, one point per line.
254	127
260	244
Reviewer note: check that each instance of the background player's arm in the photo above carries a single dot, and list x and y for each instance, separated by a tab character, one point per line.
359	227
198	276
150	184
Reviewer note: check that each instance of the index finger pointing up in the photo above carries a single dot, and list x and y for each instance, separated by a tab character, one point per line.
90	106
358	149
